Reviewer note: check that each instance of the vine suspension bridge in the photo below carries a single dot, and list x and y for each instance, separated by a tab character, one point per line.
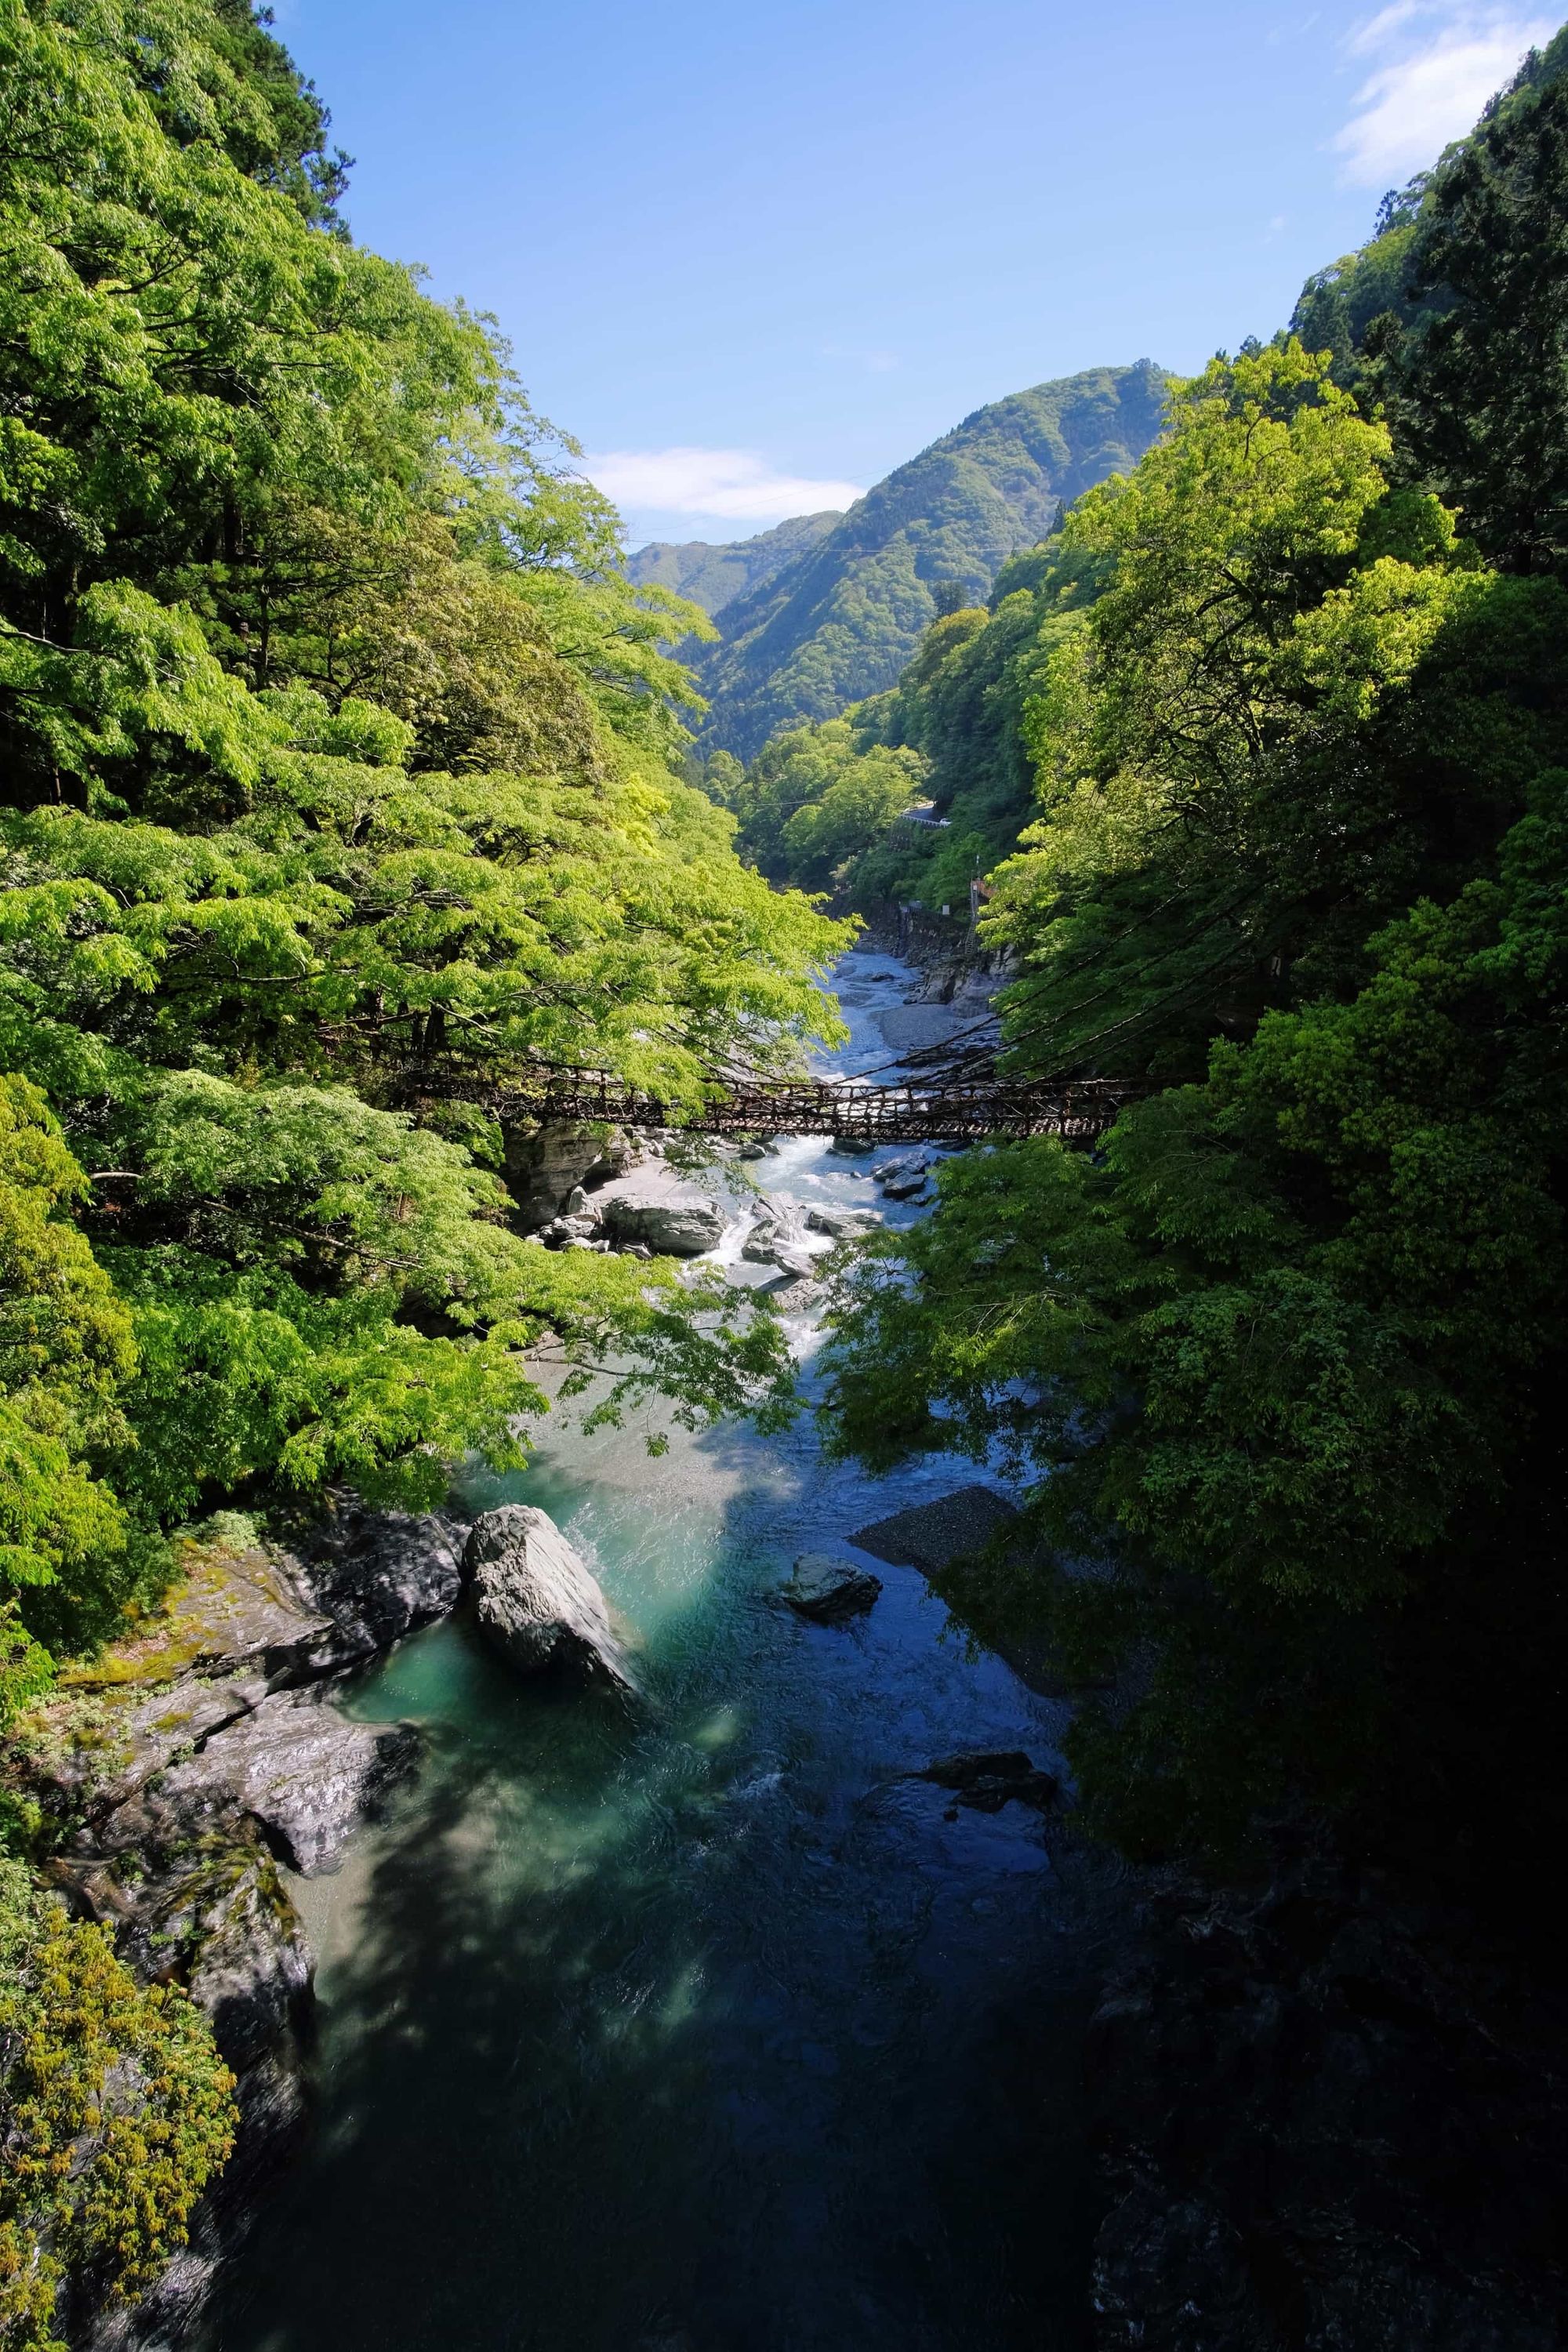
953	1105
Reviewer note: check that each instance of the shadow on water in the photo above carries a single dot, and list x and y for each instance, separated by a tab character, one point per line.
700	2029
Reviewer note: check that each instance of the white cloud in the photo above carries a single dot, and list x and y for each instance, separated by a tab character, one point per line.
734	484
1368	38
1439	61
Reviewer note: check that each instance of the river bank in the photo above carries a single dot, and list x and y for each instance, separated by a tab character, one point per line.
752	1911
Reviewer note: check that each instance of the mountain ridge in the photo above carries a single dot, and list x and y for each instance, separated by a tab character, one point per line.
715	574
839	620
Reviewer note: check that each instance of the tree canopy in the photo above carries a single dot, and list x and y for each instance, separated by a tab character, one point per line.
337	741
1275	1362
116	2112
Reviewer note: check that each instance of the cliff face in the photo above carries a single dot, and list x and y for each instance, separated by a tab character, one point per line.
842	618
189	1764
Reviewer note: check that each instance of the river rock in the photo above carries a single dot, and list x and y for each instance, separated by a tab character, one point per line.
535	1600
654	1206
906	1163
377	1576
931	1536
778	1227
543	1165
795	1260
241	1610
295	1764
565	1231
828	1590
842	1225
987	1781
225	1921
791	1293
781	1242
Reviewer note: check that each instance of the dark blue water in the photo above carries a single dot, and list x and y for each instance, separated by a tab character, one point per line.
709	2031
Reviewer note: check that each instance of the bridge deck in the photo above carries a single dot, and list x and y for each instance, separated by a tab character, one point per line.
870	1114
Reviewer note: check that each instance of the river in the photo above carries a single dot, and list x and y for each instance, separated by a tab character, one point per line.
705	2031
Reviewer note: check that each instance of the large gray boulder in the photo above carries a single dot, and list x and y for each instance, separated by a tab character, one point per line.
578	1228
929	1536
791	1292
795	1259
842	1225
778	1241
672	1219
536	1602
904	1179
225	1917
988	1779
779	1226
378	1576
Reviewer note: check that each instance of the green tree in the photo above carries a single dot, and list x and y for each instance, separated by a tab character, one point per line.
1298	703
818	797
65	1352
1480	389
854	811
1270	1360
338	744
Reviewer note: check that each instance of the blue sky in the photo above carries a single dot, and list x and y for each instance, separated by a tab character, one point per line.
754	253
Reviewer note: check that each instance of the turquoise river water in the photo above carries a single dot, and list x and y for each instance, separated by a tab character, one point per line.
702	2031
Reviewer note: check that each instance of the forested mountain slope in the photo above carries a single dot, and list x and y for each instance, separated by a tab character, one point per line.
840	622
715	577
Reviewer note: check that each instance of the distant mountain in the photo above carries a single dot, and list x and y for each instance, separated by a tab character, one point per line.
839	620
714	576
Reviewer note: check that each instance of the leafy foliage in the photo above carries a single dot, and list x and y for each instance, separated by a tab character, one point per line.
817	798
1480	390
1298	703
962	704
1271	1361
337	743
115	2110
66	1351
1454	314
